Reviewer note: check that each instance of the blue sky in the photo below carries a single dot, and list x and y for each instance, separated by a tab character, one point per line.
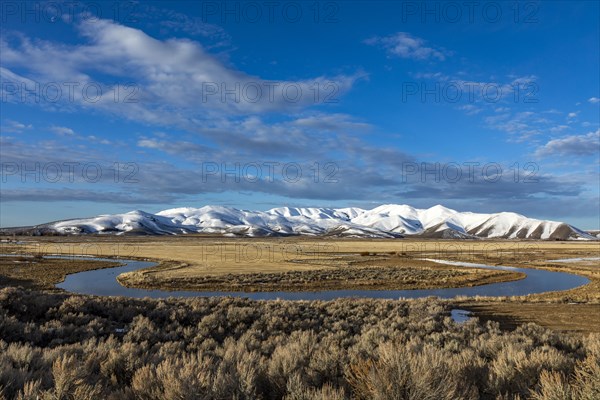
487	106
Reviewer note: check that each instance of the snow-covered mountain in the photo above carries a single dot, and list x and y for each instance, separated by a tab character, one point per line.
387	221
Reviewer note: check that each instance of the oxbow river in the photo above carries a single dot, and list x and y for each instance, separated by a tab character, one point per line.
103	282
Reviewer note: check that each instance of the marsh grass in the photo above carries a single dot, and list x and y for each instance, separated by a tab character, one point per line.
381	275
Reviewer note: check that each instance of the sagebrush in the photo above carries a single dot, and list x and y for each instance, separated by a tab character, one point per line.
58	346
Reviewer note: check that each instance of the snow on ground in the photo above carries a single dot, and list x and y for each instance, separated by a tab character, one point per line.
390	220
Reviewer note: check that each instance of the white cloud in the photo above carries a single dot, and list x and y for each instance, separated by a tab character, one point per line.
14	127
331	122
495	93
189	150
574	145
62	130
174	79
594	100
470	109
438	76
404	45
521	126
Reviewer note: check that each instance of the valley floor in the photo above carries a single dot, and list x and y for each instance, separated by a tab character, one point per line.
307	264
58	345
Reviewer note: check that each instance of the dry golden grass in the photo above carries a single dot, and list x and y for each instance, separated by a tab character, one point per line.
289	265
190	259
232	255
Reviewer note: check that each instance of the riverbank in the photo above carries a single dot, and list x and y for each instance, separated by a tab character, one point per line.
41	273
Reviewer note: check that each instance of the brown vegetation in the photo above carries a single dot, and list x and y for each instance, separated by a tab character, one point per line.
60	346
43	273
381	273
572	318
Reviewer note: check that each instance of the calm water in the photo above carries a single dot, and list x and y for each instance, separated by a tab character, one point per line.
103	282
460	316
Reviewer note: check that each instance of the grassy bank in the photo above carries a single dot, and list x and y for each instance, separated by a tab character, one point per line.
37	272
366	273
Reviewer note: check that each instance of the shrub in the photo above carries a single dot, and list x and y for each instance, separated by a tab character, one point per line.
73	347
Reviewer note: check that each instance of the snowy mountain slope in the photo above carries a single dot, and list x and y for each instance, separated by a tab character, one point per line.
386	221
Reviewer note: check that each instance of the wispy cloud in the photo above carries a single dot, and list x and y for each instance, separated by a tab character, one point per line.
521	126
470	109
574	145
14	127
173	21
405	45
175	79
62	130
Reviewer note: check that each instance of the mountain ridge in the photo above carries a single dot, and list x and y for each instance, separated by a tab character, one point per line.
385	221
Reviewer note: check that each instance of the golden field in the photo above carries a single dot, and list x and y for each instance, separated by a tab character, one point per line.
204	262
190	260
213	255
